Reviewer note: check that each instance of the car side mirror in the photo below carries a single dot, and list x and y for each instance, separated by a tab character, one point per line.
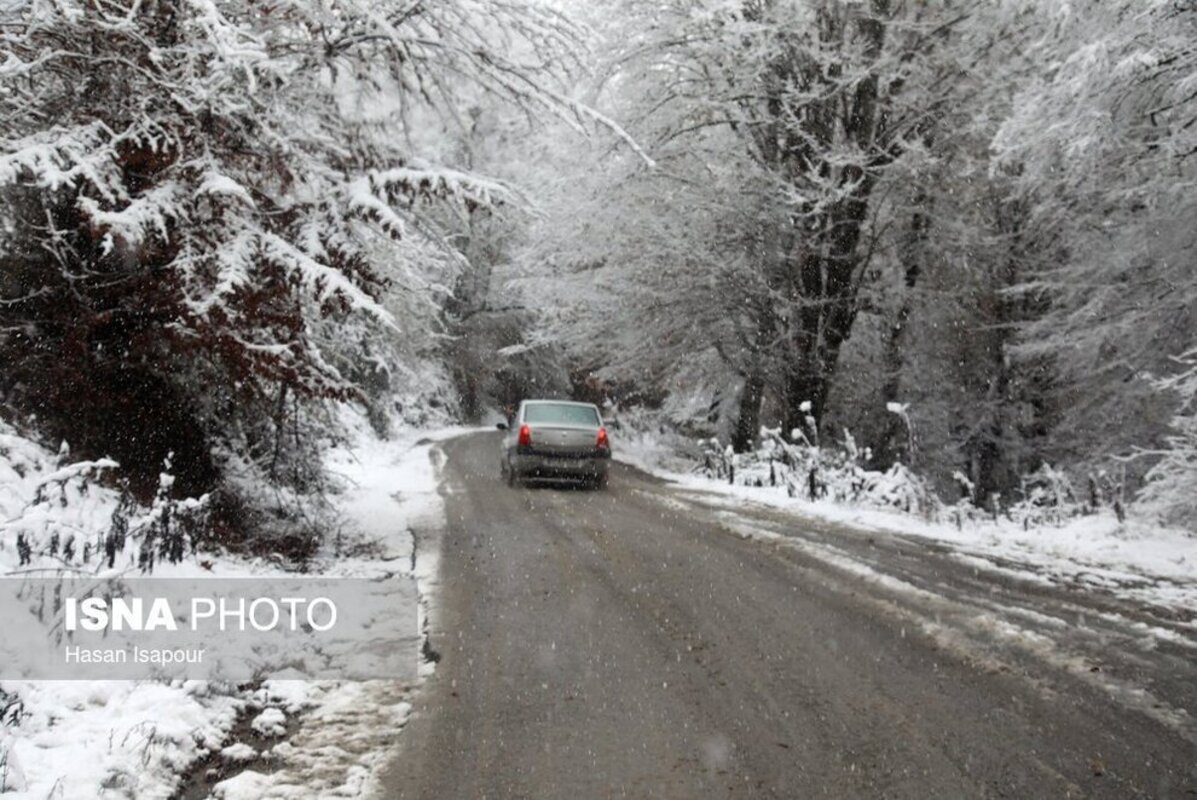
501	426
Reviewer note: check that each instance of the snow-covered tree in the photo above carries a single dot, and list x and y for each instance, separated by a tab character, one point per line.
1102	147
644	272
208	208
1171	489
827	96
787	115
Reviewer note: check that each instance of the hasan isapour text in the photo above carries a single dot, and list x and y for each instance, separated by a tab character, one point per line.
75	654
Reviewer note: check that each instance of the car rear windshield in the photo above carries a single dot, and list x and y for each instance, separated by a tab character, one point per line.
560	414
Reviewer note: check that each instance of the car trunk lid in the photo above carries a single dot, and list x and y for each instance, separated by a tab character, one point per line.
558	439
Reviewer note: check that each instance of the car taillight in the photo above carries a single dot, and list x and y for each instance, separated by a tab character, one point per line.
525	436
602	443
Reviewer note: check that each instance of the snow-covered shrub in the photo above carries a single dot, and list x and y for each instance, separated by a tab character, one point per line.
1171	490
899	488
11	709
276	520
48	523
834	472
837	472
1047	497
718	460
172	527
54	512
12	777
62	515
652	437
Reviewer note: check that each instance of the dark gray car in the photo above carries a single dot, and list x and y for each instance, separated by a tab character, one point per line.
556	440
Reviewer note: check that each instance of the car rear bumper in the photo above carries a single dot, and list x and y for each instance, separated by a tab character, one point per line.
564	467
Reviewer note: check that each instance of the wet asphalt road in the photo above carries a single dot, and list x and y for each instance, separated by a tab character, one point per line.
648	642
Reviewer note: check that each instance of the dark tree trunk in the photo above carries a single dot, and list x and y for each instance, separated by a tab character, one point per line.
827	290
755	372
748	422
893	446
1014	391
823	276
280	421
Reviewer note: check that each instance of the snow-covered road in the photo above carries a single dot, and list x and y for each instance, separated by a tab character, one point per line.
659	641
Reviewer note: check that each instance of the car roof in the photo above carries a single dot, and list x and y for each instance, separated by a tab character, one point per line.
559	403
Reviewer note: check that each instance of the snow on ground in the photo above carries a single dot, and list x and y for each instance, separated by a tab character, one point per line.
389	488
93	738
343	730
336	749
1137	560
116	739
111	738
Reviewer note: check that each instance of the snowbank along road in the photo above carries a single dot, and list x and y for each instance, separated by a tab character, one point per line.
643	642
